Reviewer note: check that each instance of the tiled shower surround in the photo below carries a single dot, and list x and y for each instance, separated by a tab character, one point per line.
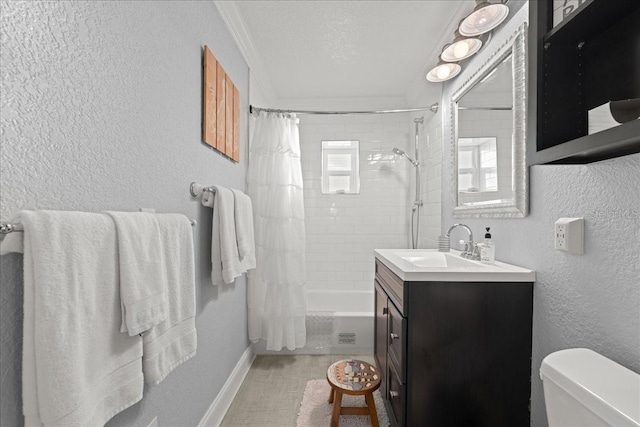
431	187
344	229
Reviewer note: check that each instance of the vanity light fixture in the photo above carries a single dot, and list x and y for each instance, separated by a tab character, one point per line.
461	48
443	71
485	17
473	32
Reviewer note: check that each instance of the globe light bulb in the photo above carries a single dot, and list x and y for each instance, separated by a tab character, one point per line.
461	49
443	72
484	18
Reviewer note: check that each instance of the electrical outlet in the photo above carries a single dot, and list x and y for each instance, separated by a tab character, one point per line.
569	235
561	234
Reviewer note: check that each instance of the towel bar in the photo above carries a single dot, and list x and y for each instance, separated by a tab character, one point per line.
6	228
196	189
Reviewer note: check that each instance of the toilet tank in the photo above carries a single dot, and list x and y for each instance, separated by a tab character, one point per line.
583	388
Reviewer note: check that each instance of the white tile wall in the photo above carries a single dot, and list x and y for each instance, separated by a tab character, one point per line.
343	230
430	141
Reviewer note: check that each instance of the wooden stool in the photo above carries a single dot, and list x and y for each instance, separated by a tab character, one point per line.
356	378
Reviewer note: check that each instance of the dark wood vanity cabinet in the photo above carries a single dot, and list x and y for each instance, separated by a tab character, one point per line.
454	353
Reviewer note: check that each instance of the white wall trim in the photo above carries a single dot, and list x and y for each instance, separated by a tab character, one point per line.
233	18
216	412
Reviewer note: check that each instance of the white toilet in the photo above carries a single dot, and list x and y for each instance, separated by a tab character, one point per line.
583	389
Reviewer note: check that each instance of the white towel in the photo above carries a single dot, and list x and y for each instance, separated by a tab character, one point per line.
243	211
143	280
208	200
225	260
173	341
77	368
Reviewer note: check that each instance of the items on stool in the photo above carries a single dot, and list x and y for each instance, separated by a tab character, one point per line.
356	378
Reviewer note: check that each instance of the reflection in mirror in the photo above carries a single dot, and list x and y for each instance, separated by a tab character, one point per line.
477	167
488	136
485	138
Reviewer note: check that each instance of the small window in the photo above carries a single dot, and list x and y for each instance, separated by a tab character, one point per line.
340	167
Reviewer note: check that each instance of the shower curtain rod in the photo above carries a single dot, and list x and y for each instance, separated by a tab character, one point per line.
433	108
486	108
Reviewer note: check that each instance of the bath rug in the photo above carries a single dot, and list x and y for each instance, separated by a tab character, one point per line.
315	409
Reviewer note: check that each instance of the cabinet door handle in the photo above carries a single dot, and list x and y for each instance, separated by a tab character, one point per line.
385	310
393	393
394	336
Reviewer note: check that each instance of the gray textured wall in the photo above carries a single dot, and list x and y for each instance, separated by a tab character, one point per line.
101	109
588	300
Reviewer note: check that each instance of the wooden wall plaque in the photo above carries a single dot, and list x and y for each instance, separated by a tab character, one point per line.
221	109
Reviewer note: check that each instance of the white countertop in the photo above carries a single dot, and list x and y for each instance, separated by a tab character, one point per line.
429	265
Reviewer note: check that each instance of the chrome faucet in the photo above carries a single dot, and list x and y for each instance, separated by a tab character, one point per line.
470	250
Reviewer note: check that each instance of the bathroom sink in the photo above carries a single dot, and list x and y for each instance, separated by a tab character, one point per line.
431	265
431	259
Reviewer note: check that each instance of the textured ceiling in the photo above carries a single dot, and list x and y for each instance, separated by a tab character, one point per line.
347	49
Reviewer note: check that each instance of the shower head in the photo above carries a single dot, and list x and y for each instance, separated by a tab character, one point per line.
399	152
402	153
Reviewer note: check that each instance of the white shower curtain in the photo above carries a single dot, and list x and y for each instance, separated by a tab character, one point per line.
276	294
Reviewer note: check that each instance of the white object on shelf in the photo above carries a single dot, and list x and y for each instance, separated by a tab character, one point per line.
563	8
613	114
600	119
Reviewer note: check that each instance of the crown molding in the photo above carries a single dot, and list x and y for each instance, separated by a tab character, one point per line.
233	19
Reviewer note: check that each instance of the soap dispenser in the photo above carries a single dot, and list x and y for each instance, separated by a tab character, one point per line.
487	249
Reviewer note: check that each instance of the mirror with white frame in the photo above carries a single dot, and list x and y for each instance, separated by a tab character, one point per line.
489	131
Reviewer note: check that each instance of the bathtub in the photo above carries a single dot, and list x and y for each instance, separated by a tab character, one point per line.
352	313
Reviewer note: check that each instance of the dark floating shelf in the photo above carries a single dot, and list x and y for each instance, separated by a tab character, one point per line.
590	58
595	147
593	16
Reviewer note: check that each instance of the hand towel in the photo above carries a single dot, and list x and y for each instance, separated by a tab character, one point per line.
225	260
143	281
167	345
243	211
77	368
208	200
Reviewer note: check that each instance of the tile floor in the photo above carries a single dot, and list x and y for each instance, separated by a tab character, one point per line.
271	393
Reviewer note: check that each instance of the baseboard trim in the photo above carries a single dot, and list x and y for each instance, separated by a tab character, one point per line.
216	412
